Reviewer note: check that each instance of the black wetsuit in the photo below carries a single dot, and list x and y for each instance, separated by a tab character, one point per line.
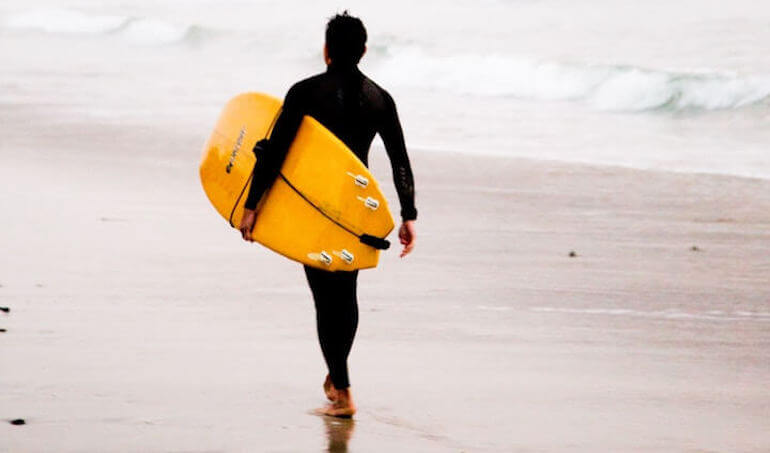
355	109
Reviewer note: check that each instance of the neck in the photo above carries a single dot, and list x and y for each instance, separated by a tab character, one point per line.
341	67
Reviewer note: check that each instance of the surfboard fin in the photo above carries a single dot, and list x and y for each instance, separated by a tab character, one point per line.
345	255
359	180
322	257
370	202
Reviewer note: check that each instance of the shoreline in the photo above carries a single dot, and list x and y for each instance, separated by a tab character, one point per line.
103	131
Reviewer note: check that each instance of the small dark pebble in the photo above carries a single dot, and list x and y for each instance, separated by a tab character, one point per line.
18	421
5	309
3	331
695	248
572	254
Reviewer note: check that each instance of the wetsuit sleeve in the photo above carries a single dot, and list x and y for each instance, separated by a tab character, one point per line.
393	138
269	164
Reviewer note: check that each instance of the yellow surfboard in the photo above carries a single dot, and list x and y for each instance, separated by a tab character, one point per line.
323	203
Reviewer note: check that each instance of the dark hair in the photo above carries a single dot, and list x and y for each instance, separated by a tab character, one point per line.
345	39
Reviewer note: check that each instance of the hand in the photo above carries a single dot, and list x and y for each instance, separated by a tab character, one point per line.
407	235
247	224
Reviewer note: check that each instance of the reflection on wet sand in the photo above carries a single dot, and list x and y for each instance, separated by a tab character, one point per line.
338	431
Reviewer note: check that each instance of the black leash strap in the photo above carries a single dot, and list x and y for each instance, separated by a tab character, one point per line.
374	241
371	241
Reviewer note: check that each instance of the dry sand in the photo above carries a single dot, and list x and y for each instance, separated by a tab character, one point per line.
140	323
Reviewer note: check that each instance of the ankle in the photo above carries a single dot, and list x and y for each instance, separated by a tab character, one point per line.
343	394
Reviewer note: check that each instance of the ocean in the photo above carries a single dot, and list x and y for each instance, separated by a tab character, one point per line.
679	85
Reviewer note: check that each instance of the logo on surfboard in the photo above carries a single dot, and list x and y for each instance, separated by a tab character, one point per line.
236	148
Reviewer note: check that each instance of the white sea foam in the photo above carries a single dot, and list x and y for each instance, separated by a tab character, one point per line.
604	87
153	31
493	307
147	31
710	315
64	21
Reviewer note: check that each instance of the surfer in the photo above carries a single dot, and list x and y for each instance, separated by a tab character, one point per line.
355	109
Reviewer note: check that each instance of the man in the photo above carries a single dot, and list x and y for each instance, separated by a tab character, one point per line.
354	108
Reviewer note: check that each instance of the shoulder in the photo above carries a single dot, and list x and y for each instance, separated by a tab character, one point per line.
379	95
304	85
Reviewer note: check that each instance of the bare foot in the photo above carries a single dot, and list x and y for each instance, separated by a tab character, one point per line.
342	407
332	411
329	390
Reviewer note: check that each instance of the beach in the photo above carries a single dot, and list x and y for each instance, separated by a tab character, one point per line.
593	238
141	322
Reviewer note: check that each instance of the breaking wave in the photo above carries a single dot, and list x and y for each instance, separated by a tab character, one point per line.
406	63
137	30
604	87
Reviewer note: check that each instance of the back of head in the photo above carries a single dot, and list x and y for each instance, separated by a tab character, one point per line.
345	39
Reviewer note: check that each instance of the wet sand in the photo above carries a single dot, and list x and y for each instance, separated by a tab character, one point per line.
139	322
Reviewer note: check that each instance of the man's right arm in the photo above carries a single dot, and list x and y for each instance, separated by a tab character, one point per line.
269	163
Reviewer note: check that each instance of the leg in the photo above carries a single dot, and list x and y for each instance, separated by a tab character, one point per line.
336	305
